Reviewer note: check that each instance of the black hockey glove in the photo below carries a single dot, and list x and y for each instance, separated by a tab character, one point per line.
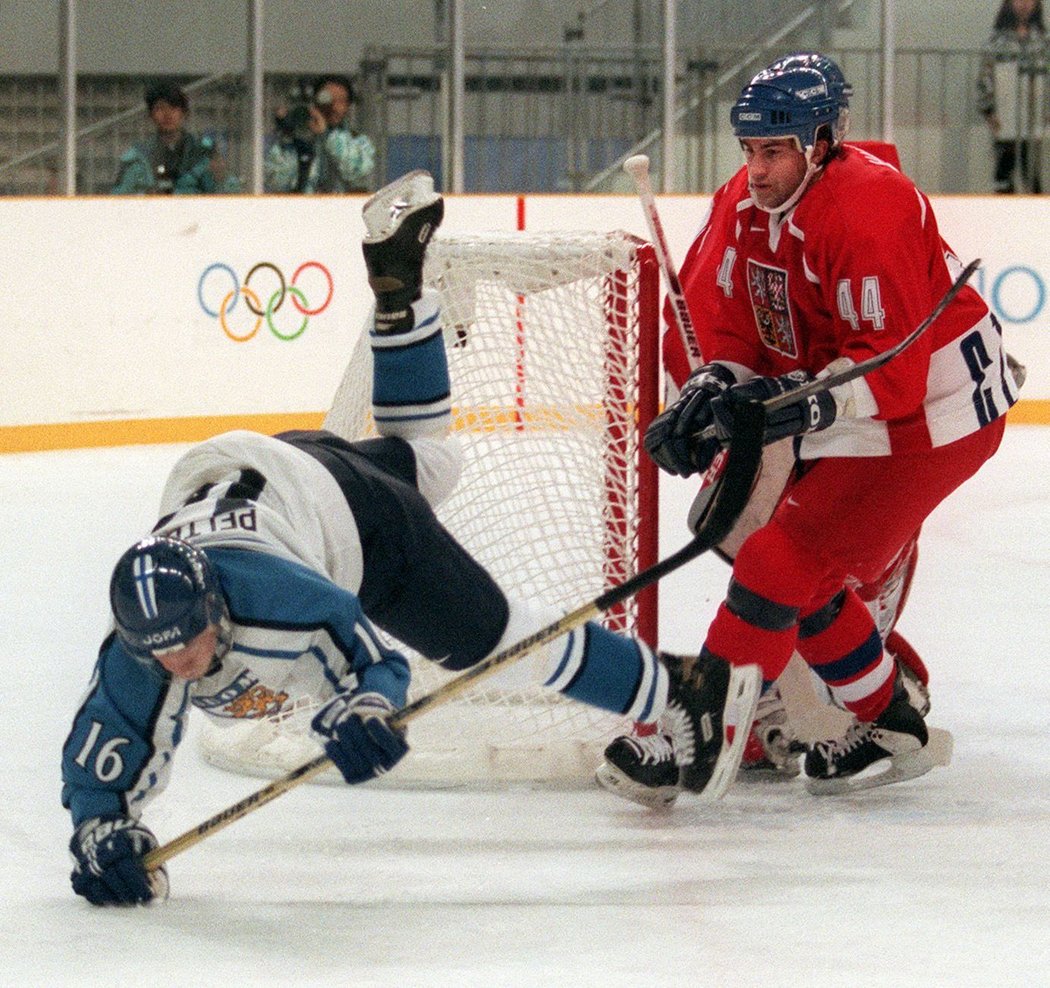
108	870
357	735
810	414
671	439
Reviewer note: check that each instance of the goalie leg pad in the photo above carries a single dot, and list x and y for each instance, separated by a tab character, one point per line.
886	595
773	748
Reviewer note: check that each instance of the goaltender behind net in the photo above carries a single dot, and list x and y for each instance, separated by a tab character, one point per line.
277	557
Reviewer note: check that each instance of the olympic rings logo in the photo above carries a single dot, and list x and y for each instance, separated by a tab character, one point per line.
282	290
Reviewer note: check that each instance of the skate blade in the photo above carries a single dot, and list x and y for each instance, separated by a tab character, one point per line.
912	764
611	778
767	775
394	188
745	685
385	211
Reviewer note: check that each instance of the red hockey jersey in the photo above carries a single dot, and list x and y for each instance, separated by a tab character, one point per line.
851	270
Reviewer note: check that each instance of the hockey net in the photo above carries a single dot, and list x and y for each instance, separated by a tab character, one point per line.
553	354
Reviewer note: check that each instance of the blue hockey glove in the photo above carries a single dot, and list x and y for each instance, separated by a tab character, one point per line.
810	414
358	737
108	869
671	439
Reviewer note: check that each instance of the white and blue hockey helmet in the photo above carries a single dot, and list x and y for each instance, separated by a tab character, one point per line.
163	593
794	97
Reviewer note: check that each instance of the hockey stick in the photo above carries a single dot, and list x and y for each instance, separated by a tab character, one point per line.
874	363
745	452
821	384
637	167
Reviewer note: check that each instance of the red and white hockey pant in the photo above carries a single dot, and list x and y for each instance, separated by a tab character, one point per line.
843	526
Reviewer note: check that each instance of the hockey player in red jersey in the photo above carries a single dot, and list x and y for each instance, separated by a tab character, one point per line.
817	255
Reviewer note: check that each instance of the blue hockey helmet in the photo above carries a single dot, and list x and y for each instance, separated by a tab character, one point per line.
163	594
794	97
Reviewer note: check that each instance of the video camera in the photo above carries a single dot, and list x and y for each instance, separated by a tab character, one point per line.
299	99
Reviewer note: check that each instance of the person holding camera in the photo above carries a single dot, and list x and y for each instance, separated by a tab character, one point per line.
315	149
173	160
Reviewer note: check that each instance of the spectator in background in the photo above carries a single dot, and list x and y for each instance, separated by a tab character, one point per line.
1011	92
315	148
173	159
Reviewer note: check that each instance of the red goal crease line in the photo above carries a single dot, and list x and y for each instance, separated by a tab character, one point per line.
136	432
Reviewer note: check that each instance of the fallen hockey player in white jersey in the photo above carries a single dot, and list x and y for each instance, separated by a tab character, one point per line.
275	560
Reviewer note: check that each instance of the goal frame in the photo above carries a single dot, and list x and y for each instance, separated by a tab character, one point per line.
628	296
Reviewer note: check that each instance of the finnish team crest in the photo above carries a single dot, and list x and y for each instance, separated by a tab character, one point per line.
259	701
769	300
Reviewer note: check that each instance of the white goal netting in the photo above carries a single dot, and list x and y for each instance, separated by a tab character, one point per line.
552	342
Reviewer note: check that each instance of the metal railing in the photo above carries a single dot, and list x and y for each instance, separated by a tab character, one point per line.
550	120
496	121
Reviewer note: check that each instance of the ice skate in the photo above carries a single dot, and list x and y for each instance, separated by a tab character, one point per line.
399	219
709	711
772	750
703	730
896	746
641	768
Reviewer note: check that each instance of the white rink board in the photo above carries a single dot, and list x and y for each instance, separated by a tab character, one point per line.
106	311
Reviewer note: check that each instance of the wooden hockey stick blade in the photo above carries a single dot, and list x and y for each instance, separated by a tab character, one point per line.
744	456
874	363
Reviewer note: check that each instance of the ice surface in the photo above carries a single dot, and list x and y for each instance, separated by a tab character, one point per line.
944	880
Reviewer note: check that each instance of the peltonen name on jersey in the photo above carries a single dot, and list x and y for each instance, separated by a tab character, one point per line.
243	519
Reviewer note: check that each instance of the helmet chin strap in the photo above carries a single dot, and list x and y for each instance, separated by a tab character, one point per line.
812	171
223	641
224	636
